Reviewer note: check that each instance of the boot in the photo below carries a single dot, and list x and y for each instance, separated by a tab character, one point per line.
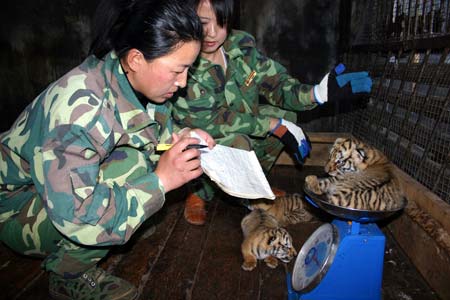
94	284
194	210
278	192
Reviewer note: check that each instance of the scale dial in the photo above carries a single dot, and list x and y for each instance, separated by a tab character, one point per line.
315	258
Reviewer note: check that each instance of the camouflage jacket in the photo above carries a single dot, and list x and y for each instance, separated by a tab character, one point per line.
230	103
59	142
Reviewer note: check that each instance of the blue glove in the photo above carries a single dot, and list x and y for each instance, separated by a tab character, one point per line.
292	137
338	85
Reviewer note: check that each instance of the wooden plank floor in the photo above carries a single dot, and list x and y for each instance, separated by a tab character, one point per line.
170	259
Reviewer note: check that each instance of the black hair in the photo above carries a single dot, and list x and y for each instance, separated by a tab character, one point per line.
154	27
224	10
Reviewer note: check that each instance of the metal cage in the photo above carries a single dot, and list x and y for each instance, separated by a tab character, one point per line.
404	44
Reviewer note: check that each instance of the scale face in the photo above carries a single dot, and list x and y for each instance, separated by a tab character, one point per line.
315	258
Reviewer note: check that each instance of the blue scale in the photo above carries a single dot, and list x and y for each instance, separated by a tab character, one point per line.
341	260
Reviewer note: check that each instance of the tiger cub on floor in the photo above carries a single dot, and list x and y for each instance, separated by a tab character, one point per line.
288	209
361	177
264	239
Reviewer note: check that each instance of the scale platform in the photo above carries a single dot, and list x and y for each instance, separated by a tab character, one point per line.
341	260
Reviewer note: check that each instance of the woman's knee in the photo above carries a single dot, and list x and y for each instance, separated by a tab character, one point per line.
240	141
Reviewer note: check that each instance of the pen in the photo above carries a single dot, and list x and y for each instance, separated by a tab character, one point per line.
164	147
196	146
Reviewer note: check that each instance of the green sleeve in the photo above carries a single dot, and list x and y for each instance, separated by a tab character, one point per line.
83	201
277	86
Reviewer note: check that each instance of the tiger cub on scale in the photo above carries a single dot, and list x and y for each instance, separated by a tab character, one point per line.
361	177
288	209
264	239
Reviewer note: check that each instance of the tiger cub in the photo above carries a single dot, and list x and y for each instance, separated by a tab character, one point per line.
264	239
361	177
288	209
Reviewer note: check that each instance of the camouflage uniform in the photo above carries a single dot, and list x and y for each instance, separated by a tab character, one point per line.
228	106
77	167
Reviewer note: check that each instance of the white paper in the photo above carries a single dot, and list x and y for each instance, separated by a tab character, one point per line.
236	171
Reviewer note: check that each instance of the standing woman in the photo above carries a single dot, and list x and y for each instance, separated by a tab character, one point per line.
223	97
79	172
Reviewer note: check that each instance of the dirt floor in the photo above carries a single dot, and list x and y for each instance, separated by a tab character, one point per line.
170	259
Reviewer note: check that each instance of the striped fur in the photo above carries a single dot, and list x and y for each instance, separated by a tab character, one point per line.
361	177
289	209
264	239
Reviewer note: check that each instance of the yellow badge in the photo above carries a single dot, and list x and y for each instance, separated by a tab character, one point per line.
250	78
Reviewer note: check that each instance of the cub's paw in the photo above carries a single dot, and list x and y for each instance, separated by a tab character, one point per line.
260	204
248	265
271	262
312	184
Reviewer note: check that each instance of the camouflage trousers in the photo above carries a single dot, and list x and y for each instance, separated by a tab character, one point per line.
267	150
31	232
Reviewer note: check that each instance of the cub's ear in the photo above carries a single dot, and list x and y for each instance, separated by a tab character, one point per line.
270	240
361	154
339	141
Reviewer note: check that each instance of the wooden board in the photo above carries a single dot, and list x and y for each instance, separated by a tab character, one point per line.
425	254
319	153
428	201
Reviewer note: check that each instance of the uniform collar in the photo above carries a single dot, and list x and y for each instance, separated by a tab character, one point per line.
232	51
234	44
131	112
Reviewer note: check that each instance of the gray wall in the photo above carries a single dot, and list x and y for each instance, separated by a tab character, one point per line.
40	40
303	36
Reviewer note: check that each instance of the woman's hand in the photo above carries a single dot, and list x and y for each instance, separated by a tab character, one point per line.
273	123
293	137
186	132
177	165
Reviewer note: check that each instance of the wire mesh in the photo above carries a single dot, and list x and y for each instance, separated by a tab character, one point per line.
408	114
402	20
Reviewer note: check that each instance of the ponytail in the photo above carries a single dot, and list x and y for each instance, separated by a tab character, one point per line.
154	27
105	26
